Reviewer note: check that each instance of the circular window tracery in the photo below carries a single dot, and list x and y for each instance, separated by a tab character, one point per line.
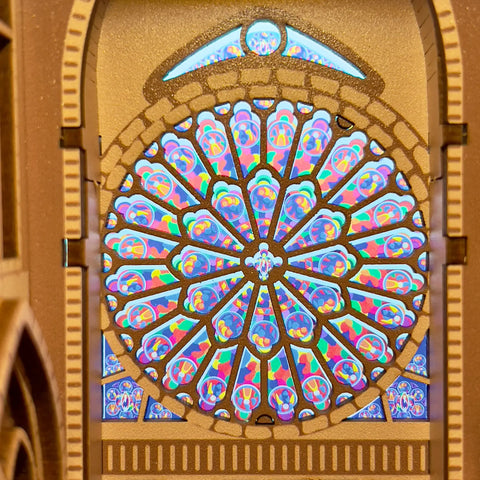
278	283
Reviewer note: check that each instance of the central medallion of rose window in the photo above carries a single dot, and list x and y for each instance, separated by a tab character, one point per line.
263	261
281	283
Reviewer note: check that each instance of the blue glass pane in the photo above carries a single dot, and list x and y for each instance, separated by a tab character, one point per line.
222	48
306	48
121	400
419	362
373	411
263	37
110	362
155	411
408	399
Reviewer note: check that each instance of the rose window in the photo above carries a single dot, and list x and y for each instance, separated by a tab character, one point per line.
261	260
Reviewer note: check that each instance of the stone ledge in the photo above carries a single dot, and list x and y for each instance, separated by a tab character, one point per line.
354	96
188	92
223	80
325	84
131	132
377	110
293	78
255	75
177	115
161	108
232	95
405	135
133	152
259	91
153	132
295	94
202	103
110	159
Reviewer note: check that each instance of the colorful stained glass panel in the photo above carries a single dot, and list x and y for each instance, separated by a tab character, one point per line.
268	263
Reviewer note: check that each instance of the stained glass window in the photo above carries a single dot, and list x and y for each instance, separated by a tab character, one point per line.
264	38
260	260
306	48
223	48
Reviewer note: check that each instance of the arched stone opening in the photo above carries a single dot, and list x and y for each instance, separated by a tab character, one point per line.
143	129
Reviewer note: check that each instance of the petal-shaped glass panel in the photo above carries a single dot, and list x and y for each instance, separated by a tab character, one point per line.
315	136
195	261
129	279
181	156
400	279
158	181
228	201
263	192
281	127
281	389
387	312
316	387
212	386
369	180
331	261
203	227
323	227
299	201
345	155
324	296
299	322
264	332
346	368
141	211
387	210
229	321
130	244
202	297
181	369
397	243
245	129
140	313
212	138
370	342
158	342
246	395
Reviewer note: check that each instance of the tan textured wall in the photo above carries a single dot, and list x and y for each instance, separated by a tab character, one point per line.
148	38
467	13
39	46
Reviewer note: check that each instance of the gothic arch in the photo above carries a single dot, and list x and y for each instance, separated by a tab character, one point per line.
80	129
31	425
